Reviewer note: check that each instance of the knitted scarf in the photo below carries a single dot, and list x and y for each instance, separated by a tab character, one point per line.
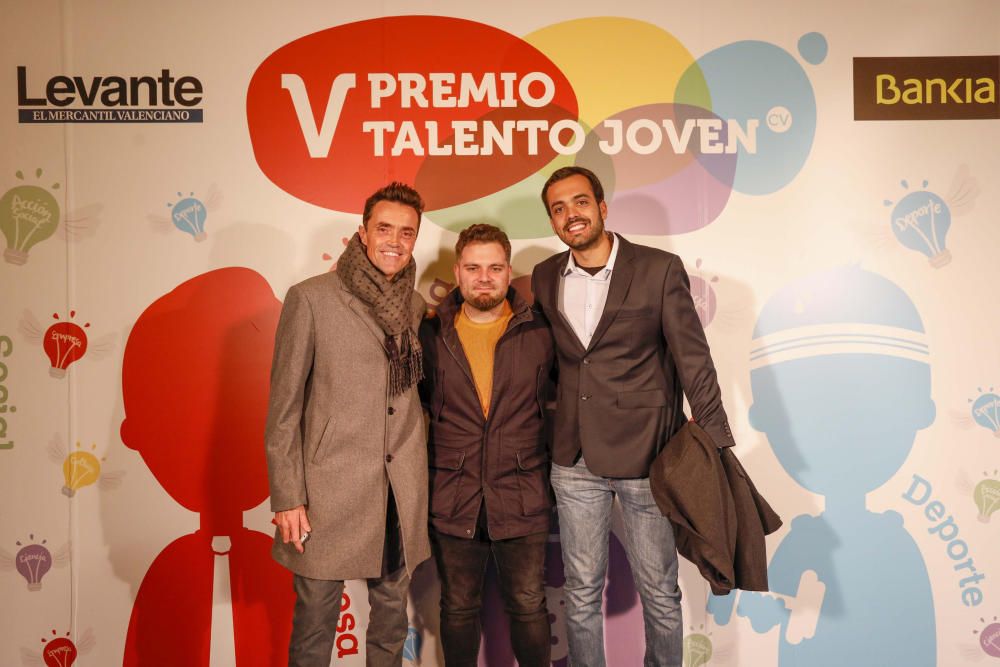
390	302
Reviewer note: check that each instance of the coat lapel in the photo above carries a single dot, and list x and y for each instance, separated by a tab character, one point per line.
555	280
364	314
621	279
555	284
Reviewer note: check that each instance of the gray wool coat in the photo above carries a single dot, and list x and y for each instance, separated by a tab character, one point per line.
335	439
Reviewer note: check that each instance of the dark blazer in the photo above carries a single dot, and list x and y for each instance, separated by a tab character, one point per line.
501	459
621	399
718	516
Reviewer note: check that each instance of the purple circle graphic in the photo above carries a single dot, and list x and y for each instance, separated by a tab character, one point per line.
665	181
989	639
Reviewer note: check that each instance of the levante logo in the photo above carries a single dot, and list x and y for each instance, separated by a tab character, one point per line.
161	98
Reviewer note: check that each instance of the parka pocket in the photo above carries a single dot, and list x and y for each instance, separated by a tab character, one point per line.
533	480
445	479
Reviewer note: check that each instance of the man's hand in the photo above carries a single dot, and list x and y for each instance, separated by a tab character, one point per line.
294	525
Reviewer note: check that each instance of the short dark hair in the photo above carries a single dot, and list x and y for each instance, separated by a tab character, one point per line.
482	233
566	172
401	193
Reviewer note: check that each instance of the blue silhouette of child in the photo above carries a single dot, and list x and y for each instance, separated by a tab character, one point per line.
841	384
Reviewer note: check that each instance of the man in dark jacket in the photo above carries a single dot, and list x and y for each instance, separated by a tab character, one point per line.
630	346
487	359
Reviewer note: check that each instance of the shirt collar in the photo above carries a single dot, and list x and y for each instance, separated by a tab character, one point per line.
605	273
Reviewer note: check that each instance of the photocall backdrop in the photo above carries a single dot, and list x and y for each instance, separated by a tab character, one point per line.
827	171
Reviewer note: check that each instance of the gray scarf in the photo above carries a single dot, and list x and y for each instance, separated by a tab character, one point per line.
391	306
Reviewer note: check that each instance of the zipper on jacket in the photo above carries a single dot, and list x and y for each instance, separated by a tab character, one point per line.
487	419
466	369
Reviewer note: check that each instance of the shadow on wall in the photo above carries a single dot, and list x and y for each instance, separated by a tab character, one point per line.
195	387
841	384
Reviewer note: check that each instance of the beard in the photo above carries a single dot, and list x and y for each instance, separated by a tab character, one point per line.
586	241
485	302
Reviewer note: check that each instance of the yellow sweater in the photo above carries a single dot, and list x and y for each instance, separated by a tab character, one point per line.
479	342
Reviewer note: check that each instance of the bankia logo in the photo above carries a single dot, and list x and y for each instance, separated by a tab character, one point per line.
143	98
931	88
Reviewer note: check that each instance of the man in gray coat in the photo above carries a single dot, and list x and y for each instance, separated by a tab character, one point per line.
345	438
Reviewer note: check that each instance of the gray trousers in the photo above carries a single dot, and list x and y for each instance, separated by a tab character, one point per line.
317	610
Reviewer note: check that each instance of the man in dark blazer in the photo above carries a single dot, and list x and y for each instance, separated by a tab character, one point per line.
629	347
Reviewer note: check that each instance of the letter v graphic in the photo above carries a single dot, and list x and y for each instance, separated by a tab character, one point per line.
318	139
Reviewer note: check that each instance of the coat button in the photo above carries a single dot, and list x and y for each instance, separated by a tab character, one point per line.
585	397
586	362
388	458
392	410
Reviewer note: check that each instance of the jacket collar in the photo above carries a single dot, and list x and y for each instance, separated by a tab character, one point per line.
621	280
609	267
447	311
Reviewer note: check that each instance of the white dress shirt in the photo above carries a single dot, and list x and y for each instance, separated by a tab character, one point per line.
582	296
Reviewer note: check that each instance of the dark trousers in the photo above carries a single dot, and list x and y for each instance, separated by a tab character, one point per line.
461	567
317	610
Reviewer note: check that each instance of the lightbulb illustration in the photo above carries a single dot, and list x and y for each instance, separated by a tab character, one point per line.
987	497
697	649
80	469
921	221
64	342
29	214
986	411
411	647
59	652
188	215
32	562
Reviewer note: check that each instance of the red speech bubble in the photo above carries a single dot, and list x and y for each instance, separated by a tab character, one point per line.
414	78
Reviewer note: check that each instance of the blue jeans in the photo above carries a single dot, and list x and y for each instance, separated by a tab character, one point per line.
584	503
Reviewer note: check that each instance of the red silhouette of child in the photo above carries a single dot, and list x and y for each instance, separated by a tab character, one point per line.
195	386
